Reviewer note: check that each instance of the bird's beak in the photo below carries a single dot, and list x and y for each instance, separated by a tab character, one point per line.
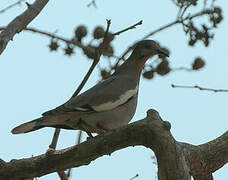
160	51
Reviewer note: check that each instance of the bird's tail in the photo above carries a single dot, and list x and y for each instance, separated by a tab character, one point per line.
28	127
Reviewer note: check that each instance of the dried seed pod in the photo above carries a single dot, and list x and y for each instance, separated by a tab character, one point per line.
53	46
163	68
108	51
148	74
98	32
198	63
110	37
80	32
90	52
69	50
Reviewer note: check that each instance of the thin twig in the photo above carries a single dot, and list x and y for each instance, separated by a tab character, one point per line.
53	144
179	12
122	57
52	35
182	69
93	2
76	43
85	79
186	7
11	6
200	88
77	142
131	27
96	59
55	139
175	3
134	177
177	22
62	175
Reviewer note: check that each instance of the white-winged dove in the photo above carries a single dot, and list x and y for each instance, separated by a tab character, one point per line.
108	105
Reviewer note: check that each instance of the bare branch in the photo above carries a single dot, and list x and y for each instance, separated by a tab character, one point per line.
204	12
134	177
20	22
55	139
11	6
177	22
182	69
92	3
78	142
62	175
200	88
69	41
131	27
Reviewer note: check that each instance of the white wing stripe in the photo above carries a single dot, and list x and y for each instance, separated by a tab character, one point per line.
81	109
113	104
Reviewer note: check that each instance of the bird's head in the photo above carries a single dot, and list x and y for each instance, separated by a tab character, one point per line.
142	51
147	48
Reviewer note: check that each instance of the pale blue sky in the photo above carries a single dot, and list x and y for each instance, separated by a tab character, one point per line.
34	81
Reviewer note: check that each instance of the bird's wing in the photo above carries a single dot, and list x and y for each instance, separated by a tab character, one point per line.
104	96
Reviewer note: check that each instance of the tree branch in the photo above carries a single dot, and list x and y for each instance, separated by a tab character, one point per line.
206	158
200	88
176	160
206	11
131	27
86	49
20	22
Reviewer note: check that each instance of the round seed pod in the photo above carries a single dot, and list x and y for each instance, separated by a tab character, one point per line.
148	74
80	32
198	63
163	68
98	32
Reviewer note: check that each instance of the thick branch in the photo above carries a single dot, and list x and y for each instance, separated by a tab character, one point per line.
150	132
20	22
207	158
176	160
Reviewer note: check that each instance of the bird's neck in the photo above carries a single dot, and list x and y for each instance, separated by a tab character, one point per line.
132	66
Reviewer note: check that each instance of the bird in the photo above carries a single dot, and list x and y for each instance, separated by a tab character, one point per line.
108	105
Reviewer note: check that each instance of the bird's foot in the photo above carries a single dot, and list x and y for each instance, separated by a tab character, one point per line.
90	136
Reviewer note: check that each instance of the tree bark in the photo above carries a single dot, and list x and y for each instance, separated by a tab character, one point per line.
20	22
176	160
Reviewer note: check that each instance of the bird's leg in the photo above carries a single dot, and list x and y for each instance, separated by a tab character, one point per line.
81	124
89	134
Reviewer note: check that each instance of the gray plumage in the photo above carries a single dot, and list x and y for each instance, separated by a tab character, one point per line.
108	105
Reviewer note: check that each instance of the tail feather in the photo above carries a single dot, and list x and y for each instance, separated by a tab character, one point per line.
28	127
